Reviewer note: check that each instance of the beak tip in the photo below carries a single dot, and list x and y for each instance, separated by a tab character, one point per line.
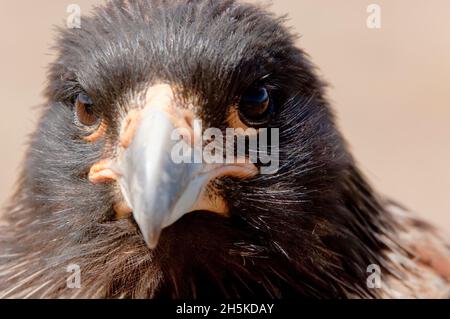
152	239
152	245
150	230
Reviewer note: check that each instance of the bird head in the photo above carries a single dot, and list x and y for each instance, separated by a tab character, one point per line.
102	189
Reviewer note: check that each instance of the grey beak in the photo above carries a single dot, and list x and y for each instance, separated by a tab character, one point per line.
158	190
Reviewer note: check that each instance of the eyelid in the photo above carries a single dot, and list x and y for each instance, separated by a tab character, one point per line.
84	98
98	133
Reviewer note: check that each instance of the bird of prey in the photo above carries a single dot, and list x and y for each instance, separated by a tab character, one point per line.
100	190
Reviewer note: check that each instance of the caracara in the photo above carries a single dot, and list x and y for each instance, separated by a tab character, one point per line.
100	189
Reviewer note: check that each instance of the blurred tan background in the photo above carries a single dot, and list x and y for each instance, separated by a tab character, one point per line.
389	86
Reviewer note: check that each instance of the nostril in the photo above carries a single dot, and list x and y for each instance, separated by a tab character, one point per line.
185	123
129	129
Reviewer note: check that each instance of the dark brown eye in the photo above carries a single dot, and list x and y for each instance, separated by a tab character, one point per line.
255	106
84	111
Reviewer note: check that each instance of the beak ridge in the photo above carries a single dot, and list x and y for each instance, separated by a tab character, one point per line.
151	182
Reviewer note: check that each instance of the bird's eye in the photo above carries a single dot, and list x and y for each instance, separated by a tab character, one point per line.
255	106
84	111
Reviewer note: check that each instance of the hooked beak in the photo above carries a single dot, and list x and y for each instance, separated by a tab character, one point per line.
158	189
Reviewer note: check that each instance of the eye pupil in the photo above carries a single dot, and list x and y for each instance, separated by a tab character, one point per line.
256	96
255	106
89	109
84	110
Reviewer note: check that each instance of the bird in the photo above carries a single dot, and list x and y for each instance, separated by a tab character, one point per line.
99	188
